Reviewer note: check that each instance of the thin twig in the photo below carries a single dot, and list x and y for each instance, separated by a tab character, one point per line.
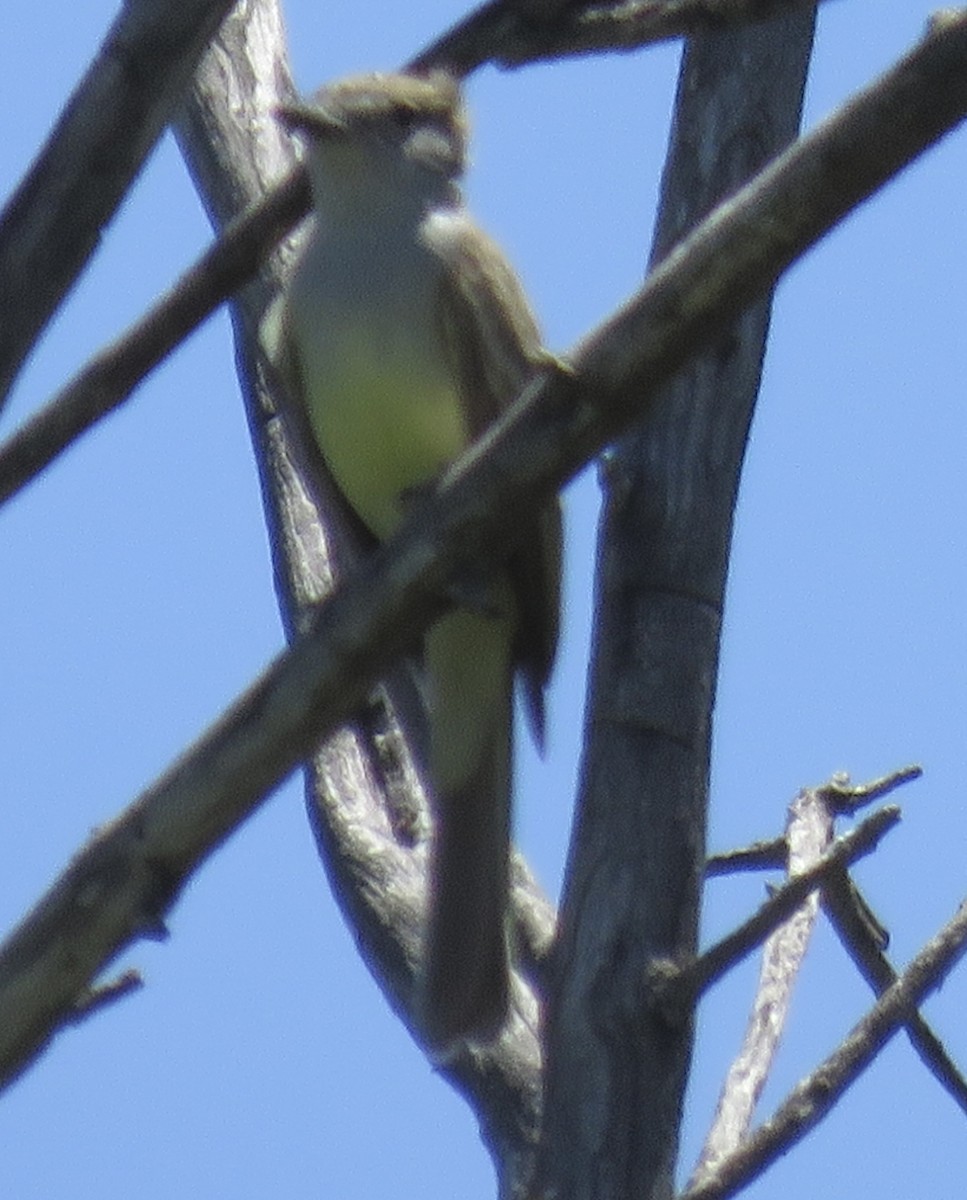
760	856
92	1000
852	927
815	1095
845	797
681	989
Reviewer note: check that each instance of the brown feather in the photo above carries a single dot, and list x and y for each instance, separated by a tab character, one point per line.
494	343
494	339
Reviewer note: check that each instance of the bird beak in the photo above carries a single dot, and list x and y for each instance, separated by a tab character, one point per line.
315	120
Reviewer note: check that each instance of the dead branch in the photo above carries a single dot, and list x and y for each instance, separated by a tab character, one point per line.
677	989
815	1095
52	223
809	832
514	33
853	928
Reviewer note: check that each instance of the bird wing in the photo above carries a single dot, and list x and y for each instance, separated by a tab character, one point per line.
493	337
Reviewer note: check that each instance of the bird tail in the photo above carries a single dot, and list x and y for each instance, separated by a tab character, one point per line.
466	972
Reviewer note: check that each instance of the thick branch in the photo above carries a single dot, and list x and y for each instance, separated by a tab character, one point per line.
518	32
748	241
112	375
635	867
53	221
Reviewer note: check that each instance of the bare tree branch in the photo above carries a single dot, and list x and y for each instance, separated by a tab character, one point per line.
679	988
815	1095
514	32
845	797
616	1067
110	378
94	999
863	940
809	832
123	882
760	856
853	929
52	223
796	199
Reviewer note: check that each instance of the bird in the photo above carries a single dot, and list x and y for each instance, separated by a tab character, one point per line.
402	335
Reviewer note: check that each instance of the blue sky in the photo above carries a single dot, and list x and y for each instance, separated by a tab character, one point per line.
260	1059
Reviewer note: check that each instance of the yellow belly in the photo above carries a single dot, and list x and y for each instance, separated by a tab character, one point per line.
385	428
385	412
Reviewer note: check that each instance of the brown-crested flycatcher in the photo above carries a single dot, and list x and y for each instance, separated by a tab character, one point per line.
403	334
